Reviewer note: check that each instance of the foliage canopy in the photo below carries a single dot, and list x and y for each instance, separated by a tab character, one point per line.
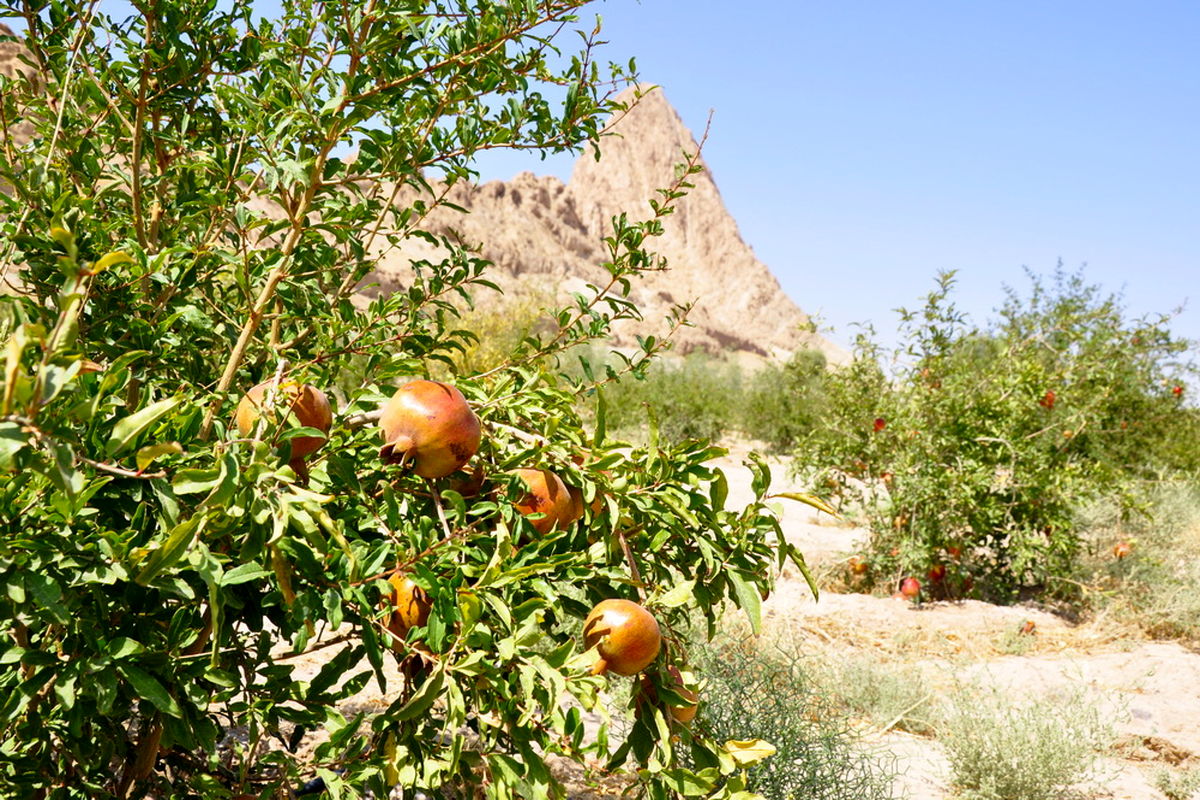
203	194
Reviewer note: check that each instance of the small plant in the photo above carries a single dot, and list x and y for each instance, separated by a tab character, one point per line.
770	695
890	696
1178	785
1030	750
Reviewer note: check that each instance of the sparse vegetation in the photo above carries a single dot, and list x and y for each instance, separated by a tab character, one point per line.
888	695
1157	585
1178	784
1006	748
770	694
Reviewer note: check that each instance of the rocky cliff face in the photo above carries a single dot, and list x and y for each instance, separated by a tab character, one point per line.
547	235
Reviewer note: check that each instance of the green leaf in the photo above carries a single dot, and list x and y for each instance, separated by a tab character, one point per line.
12	440
128	429
148	688
798	559
677	596
243	574
424	698
172	549
748	598
123	646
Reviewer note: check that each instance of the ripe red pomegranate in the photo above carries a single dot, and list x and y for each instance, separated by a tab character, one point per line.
1047	401
429	425
410	606
1122	549
307	404
1177	391
910	587
880	424
548	496
625	634
937	573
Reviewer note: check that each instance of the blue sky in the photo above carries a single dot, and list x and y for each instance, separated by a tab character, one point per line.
864	146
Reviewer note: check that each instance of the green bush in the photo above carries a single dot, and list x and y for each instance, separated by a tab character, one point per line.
769	695
782	404
978	445
695	397
187	226
1041	749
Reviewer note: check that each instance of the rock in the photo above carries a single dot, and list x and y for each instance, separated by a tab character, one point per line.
541	232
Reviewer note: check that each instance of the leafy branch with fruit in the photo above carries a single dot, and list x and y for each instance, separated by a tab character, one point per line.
195	496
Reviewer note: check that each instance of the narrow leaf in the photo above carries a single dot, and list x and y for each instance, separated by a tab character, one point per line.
128	429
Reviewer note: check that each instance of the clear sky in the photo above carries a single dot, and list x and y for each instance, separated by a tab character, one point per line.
863	146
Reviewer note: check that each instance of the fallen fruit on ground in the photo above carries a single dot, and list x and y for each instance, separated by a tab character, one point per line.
429	426
547	495
308	405
410	606
625	635
910	587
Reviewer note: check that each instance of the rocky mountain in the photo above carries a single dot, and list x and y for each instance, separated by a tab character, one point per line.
544	235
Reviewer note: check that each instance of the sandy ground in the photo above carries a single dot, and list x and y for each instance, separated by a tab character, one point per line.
1150	689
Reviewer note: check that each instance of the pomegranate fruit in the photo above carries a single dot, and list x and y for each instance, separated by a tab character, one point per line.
910	587
547	496
307	404
625	634
410	606
937	573
858	565
429	426
1122	549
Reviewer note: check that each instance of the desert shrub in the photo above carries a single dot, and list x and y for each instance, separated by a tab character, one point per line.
1178	784
183	225
1157	585
768	694
782	403
978	445
889	695
1005	749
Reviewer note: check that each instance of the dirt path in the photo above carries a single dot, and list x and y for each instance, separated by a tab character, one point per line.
1149	689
